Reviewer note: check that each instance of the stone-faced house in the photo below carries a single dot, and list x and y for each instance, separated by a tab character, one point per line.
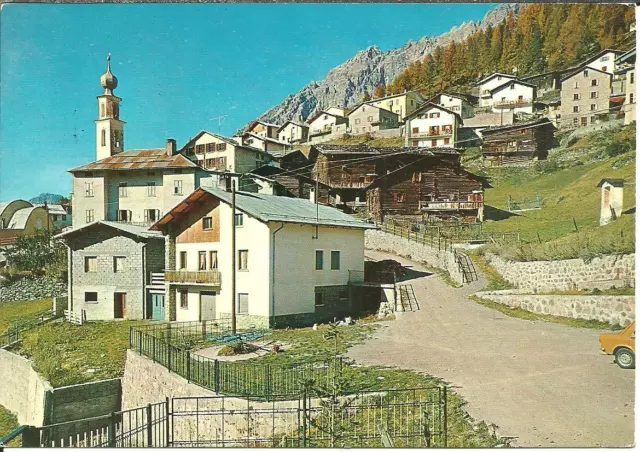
461	104
325	123
293	132
432	126
263	143
433	186
366	118
584	97
111	270
519	142
292	266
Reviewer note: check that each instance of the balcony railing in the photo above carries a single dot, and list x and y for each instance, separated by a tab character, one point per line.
451	205
210	277
156	279
431	134
143	224
512	103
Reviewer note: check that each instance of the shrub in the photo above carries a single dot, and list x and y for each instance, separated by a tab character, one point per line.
239	348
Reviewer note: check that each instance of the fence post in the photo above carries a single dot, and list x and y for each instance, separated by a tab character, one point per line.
445	415
216	376
153	346
268	380
149	425
166	422
304	418
111	430
31	437
169	356
188	366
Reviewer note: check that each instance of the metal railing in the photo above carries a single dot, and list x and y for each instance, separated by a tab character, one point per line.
193	277
16	331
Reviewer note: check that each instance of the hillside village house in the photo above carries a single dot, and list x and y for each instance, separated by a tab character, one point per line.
626	73
293	259
513	95
432	126
325	123
458	103
489	83
110	267
604	61
21	218
584	97
293	132
401	104
263	143
366	118
288	159
432	186
215	152
519	142
263	129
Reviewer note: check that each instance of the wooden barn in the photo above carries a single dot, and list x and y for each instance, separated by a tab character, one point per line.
432	188
517	143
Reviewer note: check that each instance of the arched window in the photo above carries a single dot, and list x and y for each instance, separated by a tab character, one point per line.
104	138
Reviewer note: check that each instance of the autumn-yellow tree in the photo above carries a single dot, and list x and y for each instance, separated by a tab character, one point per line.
379	91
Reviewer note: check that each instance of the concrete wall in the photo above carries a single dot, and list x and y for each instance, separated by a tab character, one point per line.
613	309
445	260
601	272
22	390
83	401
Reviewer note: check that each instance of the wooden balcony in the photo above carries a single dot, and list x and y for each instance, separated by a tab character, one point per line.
208	277
512	103
431	134
451	205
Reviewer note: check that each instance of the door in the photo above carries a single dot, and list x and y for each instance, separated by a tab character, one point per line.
207	305
119	305
157	306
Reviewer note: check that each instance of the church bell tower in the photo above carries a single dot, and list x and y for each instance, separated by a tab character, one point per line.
109	127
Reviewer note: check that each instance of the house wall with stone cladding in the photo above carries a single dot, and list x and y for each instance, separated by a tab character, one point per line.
601	272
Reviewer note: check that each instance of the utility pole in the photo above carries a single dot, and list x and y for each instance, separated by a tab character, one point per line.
233	257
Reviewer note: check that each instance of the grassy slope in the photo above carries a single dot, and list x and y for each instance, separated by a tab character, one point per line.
63	353
11	312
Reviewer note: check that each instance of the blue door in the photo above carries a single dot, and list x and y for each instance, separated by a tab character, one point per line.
157	306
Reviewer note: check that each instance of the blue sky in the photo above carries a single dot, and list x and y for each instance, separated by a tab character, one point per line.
178	66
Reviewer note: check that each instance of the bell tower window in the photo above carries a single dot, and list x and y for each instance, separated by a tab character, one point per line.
102	111
103	139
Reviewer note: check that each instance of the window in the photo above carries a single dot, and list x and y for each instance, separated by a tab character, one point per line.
88	189
91	297
576	85
151	189
513	86
90	264
124	215
446	141
585	73
632	77
434	115
243	303
399	197
414	144
434	143
103	138
603	68
357	121
343	294
499	77
118	264
319	259
504	99
335	260
177	187
583	121
575	121
370	118
594	95
520	98
325	117
183	260
151	215
415	129
631	98
184	299
576	96
202	260
243	259
592	119
605	58
239	219
593	107
319	301
594	82
122	189
207	223
576	109
213	260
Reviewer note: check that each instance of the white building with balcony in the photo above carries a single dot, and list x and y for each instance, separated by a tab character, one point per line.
293	259
432	126
513	95
489	83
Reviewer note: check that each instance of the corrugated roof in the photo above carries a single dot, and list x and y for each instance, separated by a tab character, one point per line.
20	218
4	205
519	125
139	231
143	159
56	209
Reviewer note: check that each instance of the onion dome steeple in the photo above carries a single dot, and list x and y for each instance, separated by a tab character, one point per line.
109	81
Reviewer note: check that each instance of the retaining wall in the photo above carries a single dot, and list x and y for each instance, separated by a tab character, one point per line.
84	400
32	289
613	309
601	272
443	259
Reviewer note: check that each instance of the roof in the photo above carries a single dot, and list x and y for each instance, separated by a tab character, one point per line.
227	140
270	208
598	55
495	74
508	82
56	209
347	149
353	110
428	105
323	112
614	182
296	123
627	56
518	125
580	69
4	205
464	97
282	153
260	137
20	217
144	159
139	231
395	95
264	123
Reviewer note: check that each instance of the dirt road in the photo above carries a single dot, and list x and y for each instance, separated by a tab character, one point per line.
545	383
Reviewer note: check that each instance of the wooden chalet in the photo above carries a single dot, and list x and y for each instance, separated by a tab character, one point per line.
277	181
432	188
518	143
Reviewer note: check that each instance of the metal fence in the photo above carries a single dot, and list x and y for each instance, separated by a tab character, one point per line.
524	204
398	418
16	331
264	381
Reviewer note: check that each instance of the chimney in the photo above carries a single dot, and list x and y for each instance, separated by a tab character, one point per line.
171	146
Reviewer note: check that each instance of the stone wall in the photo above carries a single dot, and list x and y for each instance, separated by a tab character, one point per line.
613	309
22	390
443	259
85	400
33	289
601	272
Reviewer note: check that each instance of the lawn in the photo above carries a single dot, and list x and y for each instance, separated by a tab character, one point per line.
67	354
9	422
12	312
